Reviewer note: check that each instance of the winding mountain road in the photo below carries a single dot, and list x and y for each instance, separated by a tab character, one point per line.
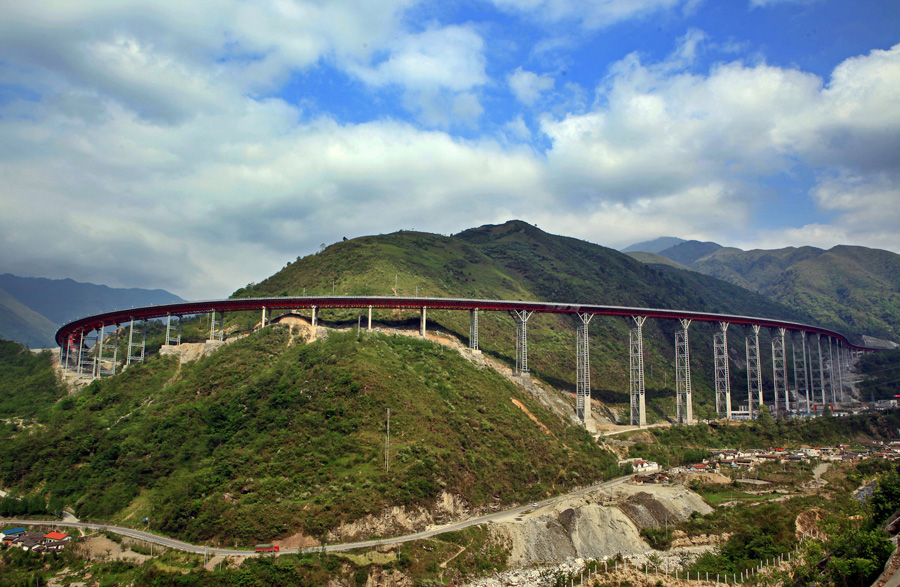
198	549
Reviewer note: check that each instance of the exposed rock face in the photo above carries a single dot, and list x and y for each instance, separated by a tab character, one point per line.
400	520
191	351
583	527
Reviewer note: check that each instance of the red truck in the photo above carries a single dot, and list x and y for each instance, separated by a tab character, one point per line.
266	548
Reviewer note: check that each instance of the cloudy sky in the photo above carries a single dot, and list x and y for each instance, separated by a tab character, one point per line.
198	146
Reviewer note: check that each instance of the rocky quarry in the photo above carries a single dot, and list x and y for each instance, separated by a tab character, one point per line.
598	525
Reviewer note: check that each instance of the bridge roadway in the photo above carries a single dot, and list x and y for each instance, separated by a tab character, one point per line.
97	321
187	547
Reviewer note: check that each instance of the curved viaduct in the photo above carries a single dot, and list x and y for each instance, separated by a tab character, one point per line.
818	375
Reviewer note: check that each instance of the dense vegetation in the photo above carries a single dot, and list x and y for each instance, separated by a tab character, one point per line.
269	436
881	375
28	385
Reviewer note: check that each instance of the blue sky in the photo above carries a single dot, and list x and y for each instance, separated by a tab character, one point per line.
200	146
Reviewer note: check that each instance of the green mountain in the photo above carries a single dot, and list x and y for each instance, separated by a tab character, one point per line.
33	308
689	251
276	434
271	436
654	246
854	288
518	261
20	323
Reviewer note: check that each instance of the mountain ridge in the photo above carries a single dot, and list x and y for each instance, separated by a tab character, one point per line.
34	307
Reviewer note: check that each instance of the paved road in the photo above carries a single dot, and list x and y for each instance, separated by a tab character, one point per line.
184	546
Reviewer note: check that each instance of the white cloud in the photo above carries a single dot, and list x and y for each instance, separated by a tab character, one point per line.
438	69
450	58
138	133
658	130
528	86
217	201
592	13
765	3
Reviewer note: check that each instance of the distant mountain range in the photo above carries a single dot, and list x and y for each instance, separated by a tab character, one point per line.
33	308
856	288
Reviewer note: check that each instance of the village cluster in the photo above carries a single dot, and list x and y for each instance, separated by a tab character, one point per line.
34	541
748	459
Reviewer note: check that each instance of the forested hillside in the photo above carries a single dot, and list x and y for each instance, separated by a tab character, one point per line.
518	261
855	289
271	436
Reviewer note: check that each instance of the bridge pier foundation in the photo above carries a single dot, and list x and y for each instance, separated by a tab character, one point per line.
313	319
583	370
636	370
422	323
754	387
722	378
473	329
369	326
262	320
684	409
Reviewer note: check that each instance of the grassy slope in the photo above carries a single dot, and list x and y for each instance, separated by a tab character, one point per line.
518	261
295	434
852	288
28	385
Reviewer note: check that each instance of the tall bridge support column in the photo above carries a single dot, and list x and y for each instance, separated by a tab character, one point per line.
313	317
821	362
473	329
98	353
521	317
779	371
636	379
173	337
723	381
80	352
801	382
64	354
754	389
422	323
840	370
684	408
216	333
72	352
262	320
369	326
831	371
583	370
103	345
136	357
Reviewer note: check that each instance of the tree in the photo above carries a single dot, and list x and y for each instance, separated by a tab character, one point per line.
885	498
